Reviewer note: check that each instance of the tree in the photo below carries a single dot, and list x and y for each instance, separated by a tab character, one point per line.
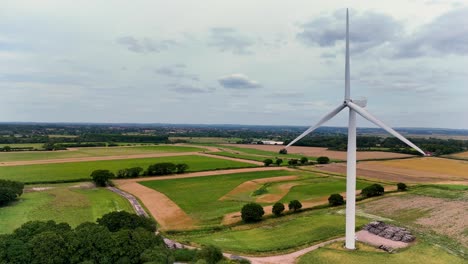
6	148
294	205
292	162
277	209
336	199
101	177
323	160
163	168
304	160
210	254
10	191
278	162
48	247
373	190
283	151
115	221
252	212
401	187
267	162
181	167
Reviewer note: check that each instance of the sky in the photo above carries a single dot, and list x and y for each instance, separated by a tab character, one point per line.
260	62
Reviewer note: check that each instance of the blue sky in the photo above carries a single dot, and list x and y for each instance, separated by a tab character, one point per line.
232	62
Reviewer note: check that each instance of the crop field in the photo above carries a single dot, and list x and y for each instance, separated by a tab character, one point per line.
317	152
421	252
94	152
206	140
208	199
275	234
462	155
69	203
82	170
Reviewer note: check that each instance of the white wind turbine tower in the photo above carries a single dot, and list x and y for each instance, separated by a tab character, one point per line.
354	107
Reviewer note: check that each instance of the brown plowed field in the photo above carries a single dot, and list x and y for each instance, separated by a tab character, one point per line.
317	152
417	170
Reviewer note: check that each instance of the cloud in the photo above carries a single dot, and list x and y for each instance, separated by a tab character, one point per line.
229	40
145	45
238	81
367	30
447	34
189	89
176	71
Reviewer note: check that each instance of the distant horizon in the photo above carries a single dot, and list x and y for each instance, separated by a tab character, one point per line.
219	124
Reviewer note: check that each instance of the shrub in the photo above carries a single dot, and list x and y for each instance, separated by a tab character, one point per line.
163	168
101	177
336	199
283	151
278	162
294	205
181	167
184	254
252	212
323	160
293	162
277	209
267	162
129	172
401	186
304	160
373	190
210	254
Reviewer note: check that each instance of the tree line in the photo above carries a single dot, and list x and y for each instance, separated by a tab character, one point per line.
10	191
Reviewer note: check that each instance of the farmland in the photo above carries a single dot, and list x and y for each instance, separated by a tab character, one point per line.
94	152
81	170
317	152
71	203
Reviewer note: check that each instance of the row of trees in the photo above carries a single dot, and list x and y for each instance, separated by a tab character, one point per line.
295	162
117	237
102	177
10	191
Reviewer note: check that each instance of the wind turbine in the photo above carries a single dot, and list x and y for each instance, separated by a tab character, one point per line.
354	107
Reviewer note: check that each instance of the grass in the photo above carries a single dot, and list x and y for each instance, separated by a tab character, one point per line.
265	153
319	187
94	152
23	145
278	234
82	170
61	204
242	156
422	252
199	197
457	192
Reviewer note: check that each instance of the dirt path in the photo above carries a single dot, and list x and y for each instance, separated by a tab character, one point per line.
288	258
167	213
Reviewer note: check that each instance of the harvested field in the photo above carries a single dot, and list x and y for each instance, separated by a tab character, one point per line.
462	155
317	152
443	216
417	170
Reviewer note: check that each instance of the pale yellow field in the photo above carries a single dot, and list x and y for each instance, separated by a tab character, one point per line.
463	155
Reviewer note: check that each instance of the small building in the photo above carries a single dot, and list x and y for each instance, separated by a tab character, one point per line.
271	142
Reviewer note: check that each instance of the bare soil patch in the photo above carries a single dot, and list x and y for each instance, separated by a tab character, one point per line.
317	152
282	189
250	186
375	240
417	170
443	216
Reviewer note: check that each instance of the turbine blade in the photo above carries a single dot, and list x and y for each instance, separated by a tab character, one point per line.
323	120
364	113
347	75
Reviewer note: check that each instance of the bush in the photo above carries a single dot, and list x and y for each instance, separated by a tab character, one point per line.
185	254
323	160
163	168
336	199
252	212
129	172
294	205
210	254
304	160
277	209
373	190
283	151
101	177
278	162
116	221
293	162
267	162
181	167
401	186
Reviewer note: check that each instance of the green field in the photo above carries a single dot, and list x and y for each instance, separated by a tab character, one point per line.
198	197
82	170
206	140
264	153
62	204
422	252
94	152
276	234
